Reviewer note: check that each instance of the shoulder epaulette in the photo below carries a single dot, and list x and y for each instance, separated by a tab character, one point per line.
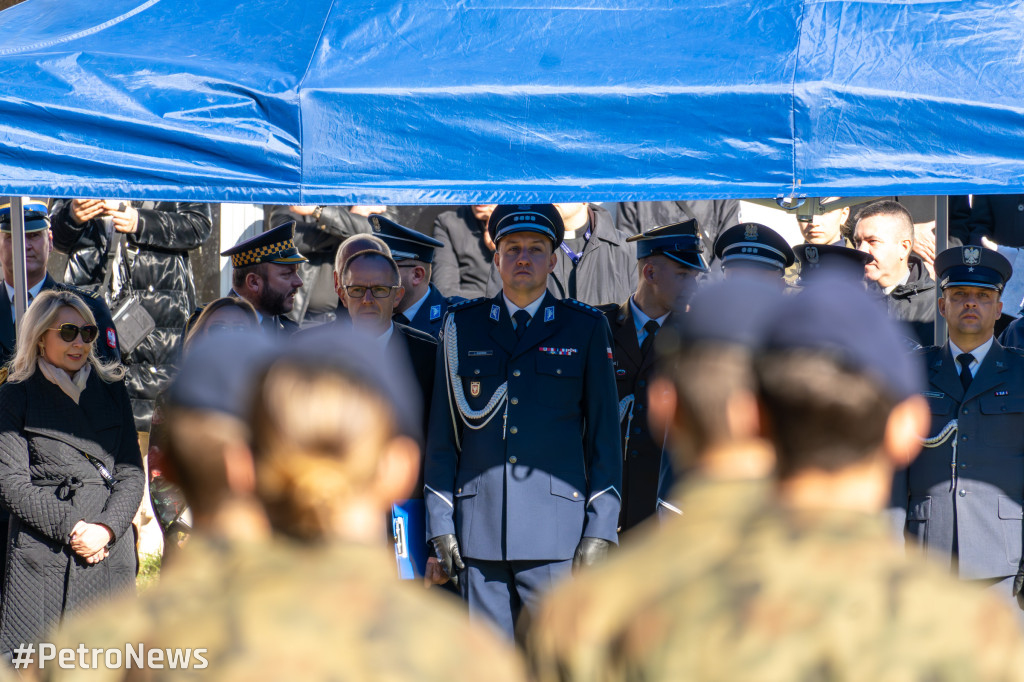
924	350
573	303
455	300
608	308
1014	350
462	305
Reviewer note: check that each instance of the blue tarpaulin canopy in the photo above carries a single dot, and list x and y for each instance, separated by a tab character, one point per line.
462	101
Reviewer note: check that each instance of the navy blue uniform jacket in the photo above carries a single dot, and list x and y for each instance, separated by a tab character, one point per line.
546	469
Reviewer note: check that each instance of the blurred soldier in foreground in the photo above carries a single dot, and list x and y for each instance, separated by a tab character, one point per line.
523	460
818	590
265	272
320	600
703	395
962	500
669	260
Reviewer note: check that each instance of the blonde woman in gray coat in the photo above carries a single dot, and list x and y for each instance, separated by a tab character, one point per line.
70	472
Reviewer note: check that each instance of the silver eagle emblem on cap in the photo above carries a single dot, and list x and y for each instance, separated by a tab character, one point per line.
750	232
812	254
972	255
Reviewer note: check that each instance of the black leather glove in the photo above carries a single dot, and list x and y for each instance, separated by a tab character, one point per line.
589	552
446	547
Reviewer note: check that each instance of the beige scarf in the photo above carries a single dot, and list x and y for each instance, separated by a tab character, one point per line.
72	386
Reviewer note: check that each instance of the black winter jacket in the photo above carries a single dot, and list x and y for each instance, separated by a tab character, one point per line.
914	303
161	274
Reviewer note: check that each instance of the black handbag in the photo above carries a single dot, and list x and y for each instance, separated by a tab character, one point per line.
133	322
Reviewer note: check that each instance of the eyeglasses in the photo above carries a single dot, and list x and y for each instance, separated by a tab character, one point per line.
359	291
69	331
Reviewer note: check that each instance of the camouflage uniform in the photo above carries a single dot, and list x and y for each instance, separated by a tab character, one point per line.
576	629
810	597
284	611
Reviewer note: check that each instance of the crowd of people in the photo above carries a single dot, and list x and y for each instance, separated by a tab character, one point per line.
660	444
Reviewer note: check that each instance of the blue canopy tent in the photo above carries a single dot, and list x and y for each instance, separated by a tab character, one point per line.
485	100
465	101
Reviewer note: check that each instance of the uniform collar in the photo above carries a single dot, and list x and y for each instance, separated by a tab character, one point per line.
640	318
412	310
532	308
33	292
979	353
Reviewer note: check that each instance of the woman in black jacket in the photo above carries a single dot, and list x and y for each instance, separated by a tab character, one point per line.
70	472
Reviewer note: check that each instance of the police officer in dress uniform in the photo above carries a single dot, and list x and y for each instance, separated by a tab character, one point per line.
38	243
669	259
523	465
422	307
961	499
265	272
755	249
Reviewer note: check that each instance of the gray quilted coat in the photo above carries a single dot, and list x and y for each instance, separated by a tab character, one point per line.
49	485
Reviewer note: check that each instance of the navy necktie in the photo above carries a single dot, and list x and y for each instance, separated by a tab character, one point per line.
522	319
651	328
965	360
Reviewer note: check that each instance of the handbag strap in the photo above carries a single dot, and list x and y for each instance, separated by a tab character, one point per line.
115	247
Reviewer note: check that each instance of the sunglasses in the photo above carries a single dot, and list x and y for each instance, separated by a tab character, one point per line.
69	331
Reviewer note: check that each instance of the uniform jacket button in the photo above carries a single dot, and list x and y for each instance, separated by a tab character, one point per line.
476	371
515	373
514	430
515	401
575	494
963	493
512	459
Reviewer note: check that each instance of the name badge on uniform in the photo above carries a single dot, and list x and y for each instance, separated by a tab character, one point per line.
480	353
495	312
549	313
435	312
933	394
474	388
